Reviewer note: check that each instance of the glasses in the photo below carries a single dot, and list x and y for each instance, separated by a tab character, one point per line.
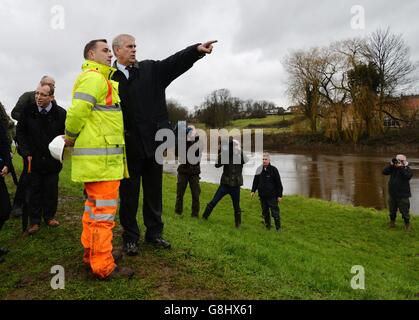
42	94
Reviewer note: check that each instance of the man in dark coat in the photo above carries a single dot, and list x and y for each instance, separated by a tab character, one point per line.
5	163
267	182
188	172
142	88
25	100
399	190
38	126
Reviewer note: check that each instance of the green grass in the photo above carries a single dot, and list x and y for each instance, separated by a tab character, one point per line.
269	124
311	259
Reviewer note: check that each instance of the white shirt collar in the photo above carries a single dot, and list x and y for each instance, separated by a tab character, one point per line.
47	108
123	69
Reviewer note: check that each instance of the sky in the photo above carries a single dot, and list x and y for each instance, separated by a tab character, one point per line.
48	36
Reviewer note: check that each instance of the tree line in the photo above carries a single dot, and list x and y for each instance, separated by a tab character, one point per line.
220	108
346	90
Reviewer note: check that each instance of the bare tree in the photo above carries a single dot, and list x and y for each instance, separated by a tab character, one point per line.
391	55
305	81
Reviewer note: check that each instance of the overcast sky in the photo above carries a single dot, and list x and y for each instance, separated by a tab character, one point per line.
254	36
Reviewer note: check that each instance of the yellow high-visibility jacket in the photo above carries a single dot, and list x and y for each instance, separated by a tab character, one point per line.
94	121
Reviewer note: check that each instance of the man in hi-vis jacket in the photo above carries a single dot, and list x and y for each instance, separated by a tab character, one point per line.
95	128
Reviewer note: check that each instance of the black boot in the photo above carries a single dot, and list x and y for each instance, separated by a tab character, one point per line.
238	219
268	222
3	251
278	224
207	211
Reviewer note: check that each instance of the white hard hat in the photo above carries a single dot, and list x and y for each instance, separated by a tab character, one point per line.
56	148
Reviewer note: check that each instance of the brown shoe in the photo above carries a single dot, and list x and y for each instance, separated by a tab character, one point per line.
392	224
407	227
121	272
33	229
53	223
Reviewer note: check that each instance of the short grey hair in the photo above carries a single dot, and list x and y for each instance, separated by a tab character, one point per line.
119	40
44	80
267	155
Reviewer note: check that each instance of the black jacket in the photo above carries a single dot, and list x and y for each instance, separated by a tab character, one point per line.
267	182
4	149
35	132
5	206
185	167
143	101
399	185
28	98
233	170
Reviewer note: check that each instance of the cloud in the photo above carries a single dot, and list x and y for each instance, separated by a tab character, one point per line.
254	37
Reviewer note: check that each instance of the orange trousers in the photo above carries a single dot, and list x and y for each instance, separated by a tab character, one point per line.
98	221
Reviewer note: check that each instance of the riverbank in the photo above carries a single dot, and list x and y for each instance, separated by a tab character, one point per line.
403	141
311	259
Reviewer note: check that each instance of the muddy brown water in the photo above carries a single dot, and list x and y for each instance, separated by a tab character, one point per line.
345	178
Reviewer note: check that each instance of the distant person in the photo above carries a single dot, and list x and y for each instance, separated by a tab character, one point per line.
38	125
26	100
399	190
5	162
267	182
188	173
232	159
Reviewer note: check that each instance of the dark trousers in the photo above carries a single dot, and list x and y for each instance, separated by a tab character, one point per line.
151	175
224	190
19	199
42	196
182	183
270	206
402	204
5	207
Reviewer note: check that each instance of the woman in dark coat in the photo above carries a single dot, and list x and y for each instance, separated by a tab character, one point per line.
5	161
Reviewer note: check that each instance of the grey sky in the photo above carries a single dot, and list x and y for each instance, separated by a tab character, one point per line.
254	37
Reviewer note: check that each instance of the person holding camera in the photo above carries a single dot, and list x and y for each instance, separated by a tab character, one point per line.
5	163
399	190
232	159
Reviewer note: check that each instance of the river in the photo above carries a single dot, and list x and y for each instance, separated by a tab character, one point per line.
354	179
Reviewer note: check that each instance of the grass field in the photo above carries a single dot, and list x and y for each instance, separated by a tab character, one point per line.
311	259
268	124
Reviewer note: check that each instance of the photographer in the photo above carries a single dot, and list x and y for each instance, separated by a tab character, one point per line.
399	190
232	159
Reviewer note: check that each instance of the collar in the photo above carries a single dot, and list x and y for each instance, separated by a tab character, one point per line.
103	69
117	65
47	108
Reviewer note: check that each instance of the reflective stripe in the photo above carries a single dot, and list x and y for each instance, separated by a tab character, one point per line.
99	107
85	97
104	203
102	217
109	94
71	134
97	151
99	217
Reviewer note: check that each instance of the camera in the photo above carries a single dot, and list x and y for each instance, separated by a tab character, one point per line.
395	161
